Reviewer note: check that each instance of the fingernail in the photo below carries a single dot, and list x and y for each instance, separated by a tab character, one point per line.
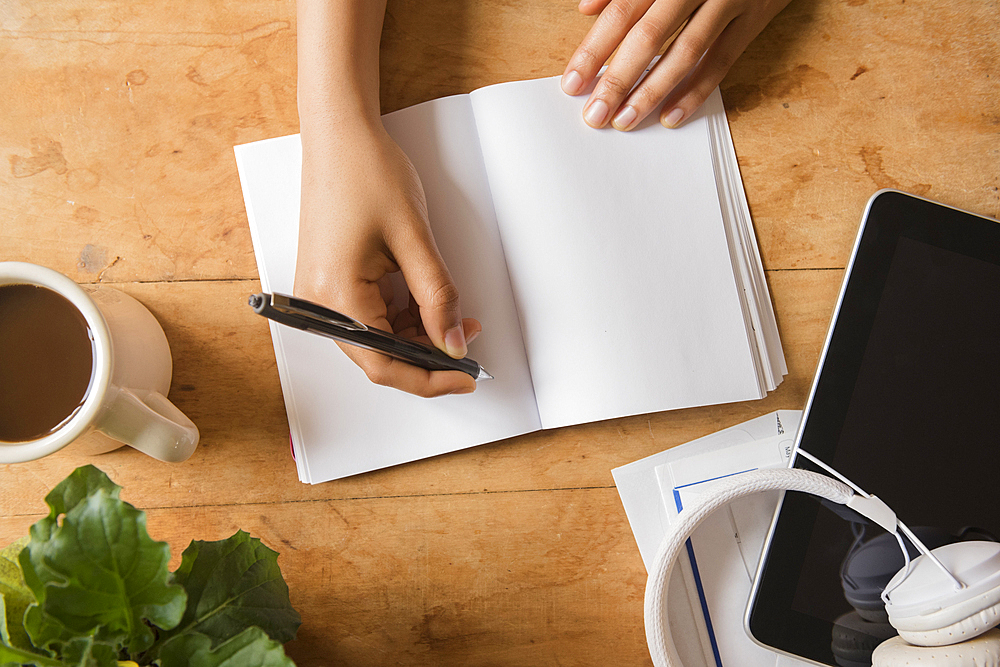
596	113
463	390
473	336
625	118
572	82
674	118
454	342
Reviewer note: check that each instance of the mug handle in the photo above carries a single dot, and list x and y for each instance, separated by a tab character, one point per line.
150	423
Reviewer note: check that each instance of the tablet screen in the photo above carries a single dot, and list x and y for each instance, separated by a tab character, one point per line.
906	405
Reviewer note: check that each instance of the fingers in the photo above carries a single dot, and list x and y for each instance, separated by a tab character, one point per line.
389	372
397	374
608	31
710	72
366	301
431	288
408	325
591	7
714	34
427	276
703	29
472	329
638	28
394	373
637	50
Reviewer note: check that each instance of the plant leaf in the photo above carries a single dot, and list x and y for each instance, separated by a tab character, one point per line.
98	572
232	584
79	485
45	631
85	652
66	495
13	655
250	648
10	657
15	596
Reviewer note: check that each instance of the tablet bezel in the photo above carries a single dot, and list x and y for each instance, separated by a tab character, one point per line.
770	620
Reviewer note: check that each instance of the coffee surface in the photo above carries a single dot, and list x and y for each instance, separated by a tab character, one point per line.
46	361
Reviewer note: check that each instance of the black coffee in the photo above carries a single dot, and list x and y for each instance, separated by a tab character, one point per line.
46	361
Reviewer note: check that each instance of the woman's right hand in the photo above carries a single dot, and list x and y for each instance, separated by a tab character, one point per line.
363	217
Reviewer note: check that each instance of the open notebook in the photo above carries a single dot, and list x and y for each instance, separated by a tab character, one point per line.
614	274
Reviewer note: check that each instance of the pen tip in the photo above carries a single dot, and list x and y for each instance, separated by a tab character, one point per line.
483	375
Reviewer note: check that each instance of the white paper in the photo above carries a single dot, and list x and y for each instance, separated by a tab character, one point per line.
600	263
341	423
748	269
618	258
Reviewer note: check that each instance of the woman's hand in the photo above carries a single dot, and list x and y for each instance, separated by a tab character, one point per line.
364	217
363	214
714	34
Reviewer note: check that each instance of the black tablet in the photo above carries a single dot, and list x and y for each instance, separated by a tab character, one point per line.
906	403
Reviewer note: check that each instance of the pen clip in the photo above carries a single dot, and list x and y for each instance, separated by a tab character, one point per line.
292	306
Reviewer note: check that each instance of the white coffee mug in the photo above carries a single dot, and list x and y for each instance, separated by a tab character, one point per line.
126	400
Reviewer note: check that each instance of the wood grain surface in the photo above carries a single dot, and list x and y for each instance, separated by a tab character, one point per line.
117	121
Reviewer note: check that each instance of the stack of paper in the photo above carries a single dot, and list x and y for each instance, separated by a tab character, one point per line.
614	274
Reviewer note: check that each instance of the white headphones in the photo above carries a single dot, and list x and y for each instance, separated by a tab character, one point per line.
870	564
942	598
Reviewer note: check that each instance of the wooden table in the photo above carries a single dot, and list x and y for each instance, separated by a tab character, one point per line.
118	119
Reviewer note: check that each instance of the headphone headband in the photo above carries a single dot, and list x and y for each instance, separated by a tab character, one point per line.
661	649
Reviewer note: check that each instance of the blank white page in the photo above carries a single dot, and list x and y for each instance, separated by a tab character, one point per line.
341	423
618	258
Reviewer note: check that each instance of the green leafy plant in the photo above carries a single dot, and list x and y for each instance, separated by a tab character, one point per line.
90	588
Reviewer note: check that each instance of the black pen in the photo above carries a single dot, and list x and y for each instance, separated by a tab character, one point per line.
309	316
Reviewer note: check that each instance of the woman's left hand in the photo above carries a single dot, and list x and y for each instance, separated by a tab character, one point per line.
714	34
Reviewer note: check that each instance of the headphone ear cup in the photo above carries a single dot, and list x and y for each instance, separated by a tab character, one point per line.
869	567
983	651
962	630
854	638
927	609
865	574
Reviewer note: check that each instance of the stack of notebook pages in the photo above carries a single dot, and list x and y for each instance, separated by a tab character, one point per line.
614	274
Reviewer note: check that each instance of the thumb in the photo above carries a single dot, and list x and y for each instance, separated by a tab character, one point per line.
434	291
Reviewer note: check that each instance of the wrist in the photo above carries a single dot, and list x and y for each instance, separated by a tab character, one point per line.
346	96
333	138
